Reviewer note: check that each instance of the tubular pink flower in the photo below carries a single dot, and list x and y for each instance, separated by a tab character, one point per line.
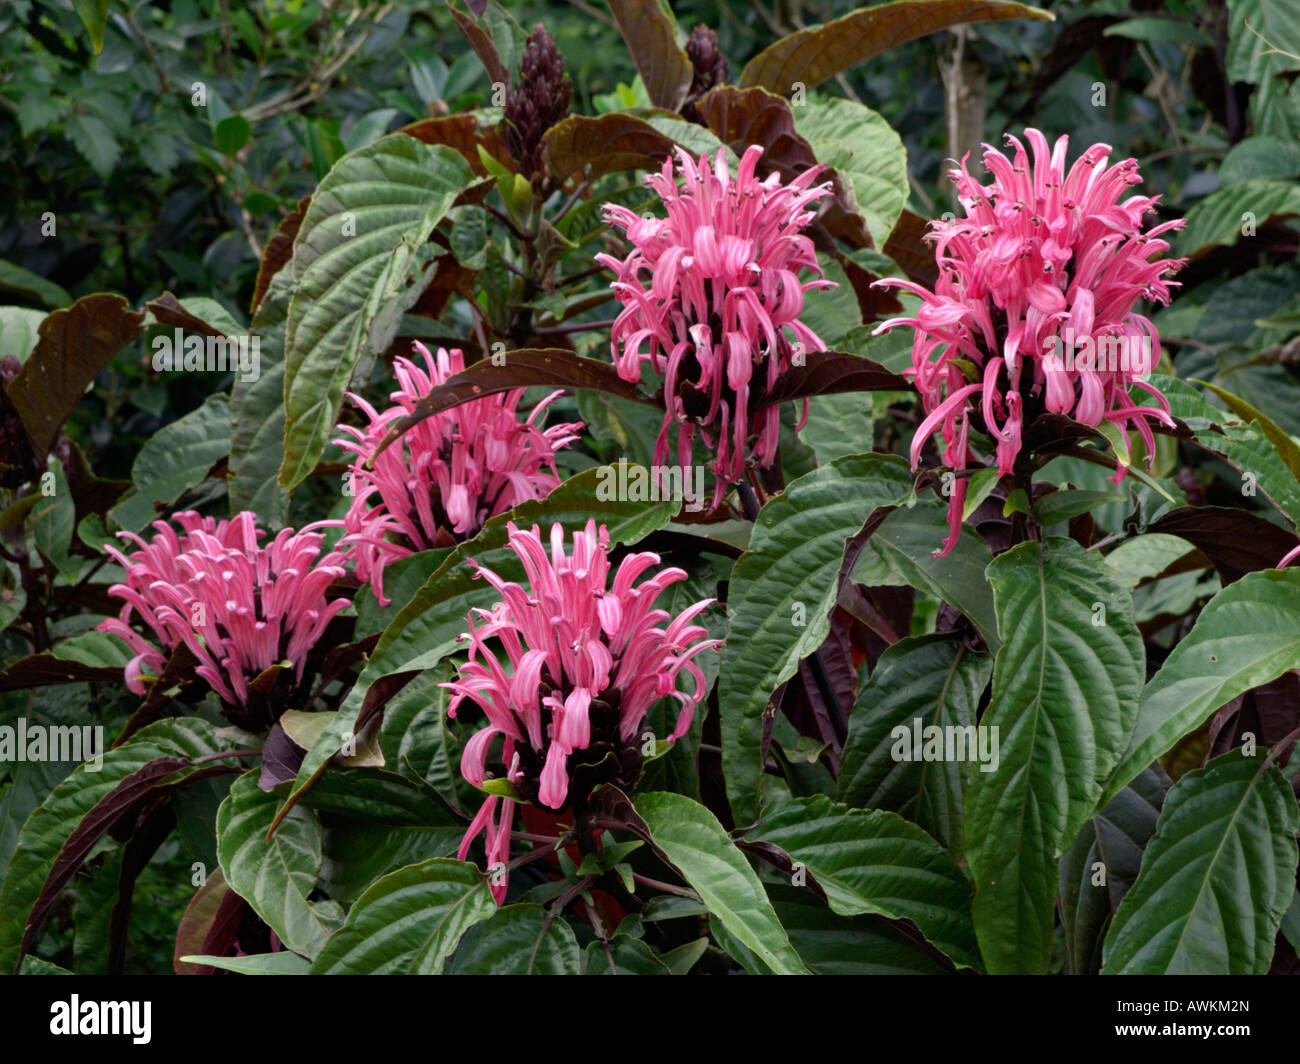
446	476
586	660
1036	289
711	301
240	607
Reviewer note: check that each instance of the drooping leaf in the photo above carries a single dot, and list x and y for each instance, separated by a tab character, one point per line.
650	31
1097	871
1216	878
74	346
693	840
276	877
174	459
620	141
877	862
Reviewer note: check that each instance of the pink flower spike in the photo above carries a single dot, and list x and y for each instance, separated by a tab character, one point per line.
711	301
573	687
239	606
1037	286
447	475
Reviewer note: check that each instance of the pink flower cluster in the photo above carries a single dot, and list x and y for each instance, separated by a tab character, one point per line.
239	606
1043	261
711	300
448	474
587	659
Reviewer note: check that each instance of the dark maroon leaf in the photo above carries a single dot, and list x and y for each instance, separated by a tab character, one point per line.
281	759
830	373
278	250
608	144
116	804
907	247
549	367
464	134
1269	712
1237	542
168	310
651	39
741	117
44	669
74	345
812	55
152	831
209	926
480	41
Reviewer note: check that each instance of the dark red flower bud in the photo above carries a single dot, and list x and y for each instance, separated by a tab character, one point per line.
538	99
709	63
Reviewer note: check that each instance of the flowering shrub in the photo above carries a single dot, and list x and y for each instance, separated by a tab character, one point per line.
406	636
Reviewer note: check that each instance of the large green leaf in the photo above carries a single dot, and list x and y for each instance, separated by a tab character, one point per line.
257	415
357	248
426	629
276	878
174	459
938	681
1215	879
780	595
810	56
1247	635
409	922
867	154
1220	217
1065	692
518	940
877	862
693	840
49	827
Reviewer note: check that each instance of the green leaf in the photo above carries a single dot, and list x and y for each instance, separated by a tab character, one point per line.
174	459
1247	635
848	945
278	877
780	595
1063	505
231	134
94	16
867	154
426	630
283	963
938	681
877	862
839	425
1158	29
1215	879
54	517
812	55
1286	446
693	840
1219	218
902	552
16	280
257	414
93	138
1260	156
1065	691
45	832
356	250
518	940
408	922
